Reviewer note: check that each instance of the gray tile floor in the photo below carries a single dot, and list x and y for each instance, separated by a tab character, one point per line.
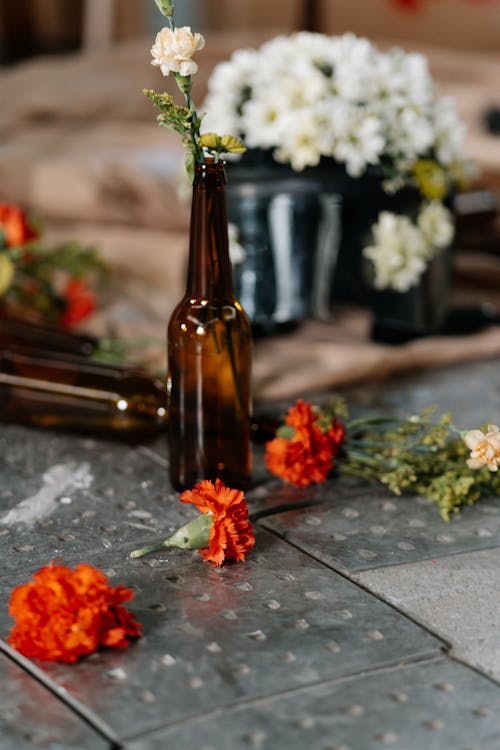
360	620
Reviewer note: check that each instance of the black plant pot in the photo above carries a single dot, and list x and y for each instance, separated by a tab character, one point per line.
421	311
288	225
303	234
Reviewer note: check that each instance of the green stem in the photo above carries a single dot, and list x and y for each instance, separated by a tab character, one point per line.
193	535
194	129
367	421
363	458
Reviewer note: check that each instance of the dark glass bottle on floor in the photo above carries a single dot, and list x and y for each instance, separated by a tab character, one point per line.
209	353
60	390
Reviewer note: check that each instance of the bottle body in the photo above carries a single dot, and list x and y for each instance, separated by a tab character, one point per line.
209	354
65	391
209	396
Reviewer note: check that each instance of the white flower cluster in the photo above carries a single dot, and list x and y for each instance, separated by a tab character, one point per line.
402	249
310	95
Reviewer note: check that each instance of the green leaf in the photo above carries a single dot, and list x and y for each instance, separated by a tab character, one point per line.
184	83
166	7
285	431
189	162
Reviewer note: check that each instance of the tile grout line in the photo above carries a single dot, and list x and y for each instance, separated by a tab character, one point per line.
86	714
285	507
263	699
446	645
473	668
351	577
293	506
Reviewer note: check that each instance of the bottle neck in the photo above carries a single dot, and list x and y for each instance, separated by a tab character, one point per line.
209	270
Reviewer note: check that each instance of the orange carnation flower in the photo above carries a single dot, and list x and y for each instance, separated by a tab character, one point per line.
14	226
231	533
62	614
306	456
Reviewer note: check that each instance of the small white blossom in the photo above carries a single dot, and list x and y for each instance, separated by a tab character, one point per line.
301	134
173	50
236	250
436	224
401	249
359	141
399	254
450	132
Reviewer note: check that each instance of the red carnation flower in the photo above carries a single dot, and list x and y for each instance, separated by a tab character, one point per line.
14	226
231	533
62	614
306	457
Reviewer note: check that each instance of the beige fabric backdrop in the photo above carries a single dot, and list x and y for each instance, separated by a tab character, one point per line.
79	146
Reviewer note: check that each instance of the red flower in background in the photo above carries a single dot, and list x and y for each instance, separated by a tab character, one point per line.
417	4
14	226
306	455
62	614
80	302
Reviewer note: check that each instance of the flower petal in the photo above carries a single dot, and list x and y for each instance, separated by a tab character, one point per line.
472	438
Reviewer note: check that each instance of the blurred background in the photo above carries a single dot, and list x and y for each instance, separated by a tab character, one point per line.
79	146
31	27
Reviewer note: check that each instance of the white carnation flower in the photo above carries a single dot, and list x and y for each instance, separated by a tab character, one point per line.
173	50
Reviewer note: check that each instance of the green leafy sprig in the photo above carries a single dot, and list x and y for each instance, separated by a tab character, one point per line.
35	284
416	454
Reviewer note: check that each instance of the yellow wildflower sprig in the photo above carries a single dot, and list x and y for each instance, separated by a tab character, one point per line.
418	454
177	118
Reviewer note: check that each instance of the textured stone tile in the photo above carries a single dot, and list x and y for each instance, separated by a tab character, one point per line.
214	637
439	705
64	495
368	527
458	597
31	717
471	391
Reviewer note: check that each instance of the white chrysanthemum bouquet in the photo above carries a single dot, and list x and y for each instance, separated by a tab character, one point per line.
308	96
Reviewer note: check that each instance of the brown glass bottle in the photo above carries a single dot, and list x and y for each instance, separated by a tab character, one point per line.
209	353
14	331
66	391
